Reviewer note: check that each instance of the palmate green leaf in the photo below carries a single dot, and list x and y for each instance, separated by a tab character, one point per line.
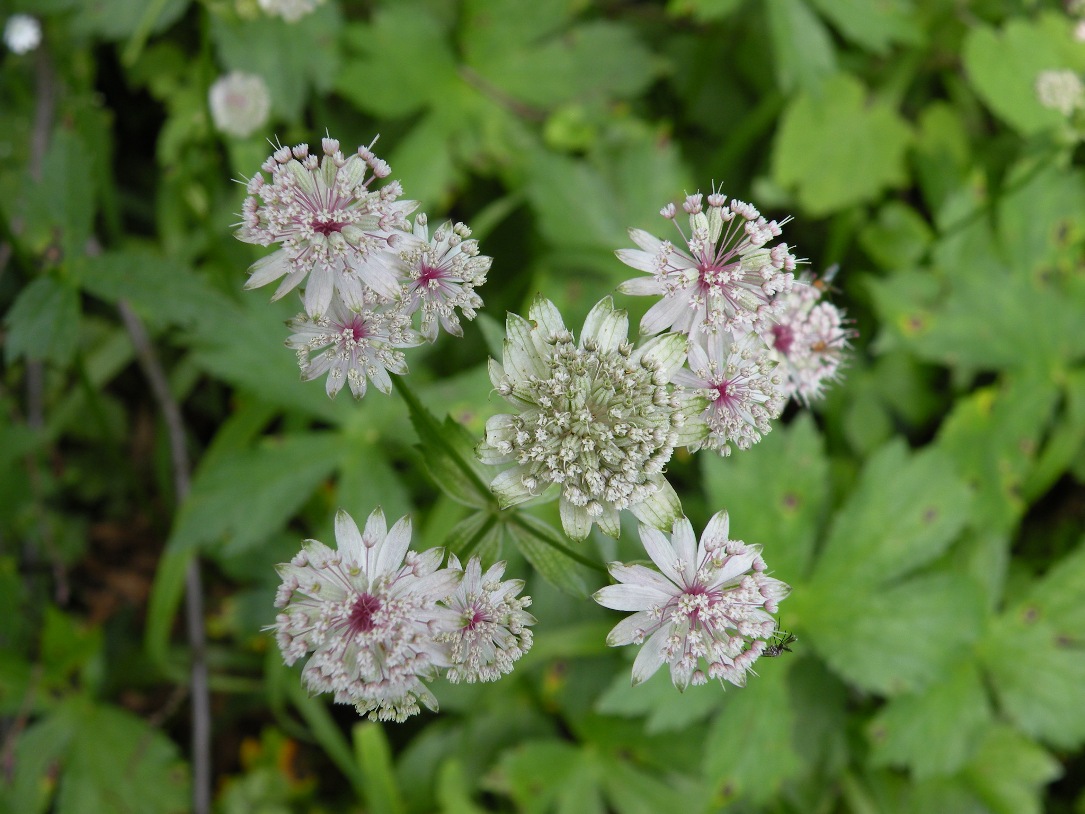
239	500
1003	66
404	61
593	61
479	533
942	155
1065	443
994	438
776	498
874	25
1009	771
107	760
754	765
1041	221
904	512
934	732
630	790
889	639
1036	690
117	19
161	289
802	48
897	237
43	322
551	775
663	708
836	147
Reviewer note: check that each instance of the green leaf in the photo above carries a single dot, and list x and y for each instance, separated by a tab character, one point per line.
631	790
662	706
874	25
374	756
994	435
1003	66
43	323
550	776
1036	692
109	760
67	646
803	52
448	453
1066	442
240	500
1009	772
118	19
479	533
897	237
903	513
592	62
942	155
894	639
755	765
1050	239
836	147
404	61
776	497
545	548
935	732
161	289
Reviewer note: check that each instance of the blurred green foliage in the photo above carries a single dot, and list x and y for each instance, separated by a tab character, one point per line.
929	513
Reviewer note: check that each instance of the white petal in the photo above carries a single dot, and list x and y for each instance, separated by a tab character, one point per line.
685	546
661	508
626	630
650	658
736	565
637	574
662	315
629	597
395	546
669	351
661	551
718	529
266	269
318	292
641	287
508	487
547	315
646	240
574	520
349	538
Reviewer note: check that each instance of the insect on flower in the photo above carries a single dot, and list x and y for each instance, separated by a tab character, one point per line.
780	641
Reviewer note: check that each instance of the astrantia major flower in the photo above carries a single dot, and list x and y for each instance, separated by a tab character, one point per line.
22	33
441	274
706	612
743	386
1060	90
289	10
368	612
239	103
490	630
353	344
808	339
334	229
600	419
727	279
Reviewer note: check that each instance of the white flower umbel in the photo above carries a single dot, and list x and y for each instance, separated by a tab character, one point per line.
491	626
22	33
353	345
370	620
725	282
1060	90
239	103
289	10
441	275
600	419
706	615
744	388
808	339
333	228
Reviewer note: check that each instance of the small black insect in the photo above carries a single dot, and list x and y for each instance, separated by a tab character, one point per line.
780	641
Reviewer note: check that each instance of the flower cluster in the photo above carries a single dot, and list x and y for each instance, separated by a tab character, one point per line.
381	620
1060	90
728	291
808	340
289	10
707	611
367	268
22	33
597	417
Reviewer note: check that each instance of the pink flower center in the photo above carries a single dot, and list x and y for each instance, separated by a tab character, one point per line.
429	274
327	227
355	329
721	391
476	619
782	338
361	615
